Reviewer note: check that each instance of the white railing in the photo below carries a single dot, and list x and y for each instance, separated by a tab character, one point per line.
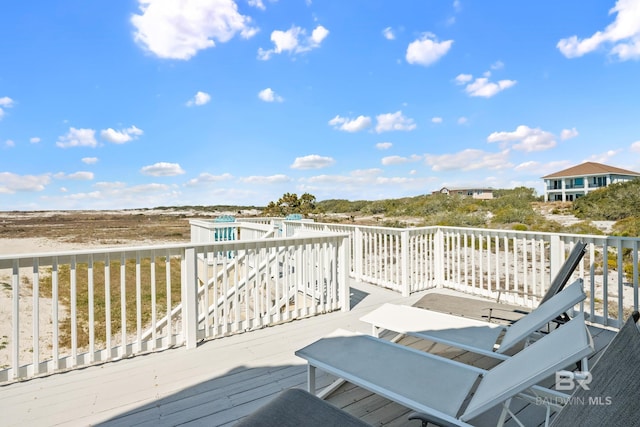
71	309
516	266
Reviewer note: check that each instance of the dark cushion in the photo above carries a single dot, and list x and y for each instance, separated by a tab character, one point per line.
612	398
296	407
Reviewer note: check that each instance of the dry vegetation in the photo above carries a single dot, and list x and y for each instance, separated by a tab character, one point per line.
95	226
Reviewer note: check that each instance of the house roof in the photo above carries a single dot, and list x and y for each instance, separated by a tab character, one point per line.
591	168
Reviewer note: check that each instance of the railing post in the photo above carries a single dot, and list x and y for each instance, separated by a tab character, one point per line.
404	242
555	255
344	268
189	298
357	255
439	258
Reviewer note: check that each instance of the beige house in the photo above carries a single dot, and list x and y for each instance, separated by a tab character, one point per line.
569	184
476	193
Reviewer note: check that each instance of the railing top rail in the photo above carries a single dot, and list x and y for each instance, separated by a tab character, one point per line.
6	261
209	223
255	226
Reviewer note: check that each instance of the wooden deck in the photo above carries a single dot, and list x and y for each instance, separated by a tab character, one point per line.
222	380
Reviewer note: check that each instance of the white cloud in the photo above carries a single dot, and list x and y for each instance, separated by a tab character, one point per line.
463	78
603	157
10	143
357	180
635	147
383	145
530	166
273	179
549	167
621	37
162	169
257	4
268	95
318	35
529	139
179	29
78	138
399	160
11	183
436	120
481	86
388	33
427	50
294	40
121	136
350	125
34	140
568	133
105	194
469	159
200	98
394	121
372	172
498	65
5	102
312	161
90	160
76	176
462	120
206	178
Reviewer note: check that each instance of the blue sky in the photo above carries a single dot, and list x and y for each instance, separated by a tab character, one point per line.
134	104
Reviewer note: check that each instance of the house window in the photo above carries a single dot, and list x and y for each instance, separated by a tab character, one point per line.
578	182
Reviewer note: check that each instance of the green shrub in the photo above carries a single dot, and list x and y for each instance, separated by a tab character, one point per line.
615	202
627	227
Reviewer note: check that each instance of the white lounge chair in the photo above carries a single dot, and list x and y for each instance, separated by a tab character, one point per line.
440	388
470	334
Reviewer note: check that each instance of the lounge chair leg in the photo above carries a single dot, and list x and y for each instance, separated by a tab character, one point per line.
311	379
505	411
503	414
548	417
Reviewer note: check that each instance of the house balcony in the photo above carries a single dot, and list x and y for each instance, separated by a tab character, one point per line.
203	333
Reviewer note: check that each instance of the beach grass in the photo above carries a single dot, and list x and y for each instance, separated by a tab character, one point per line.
99	307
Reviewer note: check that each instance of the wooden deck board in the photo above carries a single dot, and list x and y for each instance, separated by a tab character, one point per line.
219	382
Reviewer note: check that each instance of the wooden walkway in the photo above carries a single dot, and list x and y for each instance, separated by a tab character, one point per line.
222	380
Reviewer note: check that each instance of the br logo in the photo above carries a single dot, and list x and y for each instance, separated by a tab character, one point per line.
567	380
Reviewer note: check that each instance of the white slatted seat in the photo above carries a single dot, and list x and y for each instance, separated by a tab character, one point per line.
440	388
470	334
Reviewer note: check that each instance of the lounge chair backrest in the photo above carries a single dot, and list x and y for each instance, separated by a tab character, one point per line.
542	315
612	398
567	269
554	352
